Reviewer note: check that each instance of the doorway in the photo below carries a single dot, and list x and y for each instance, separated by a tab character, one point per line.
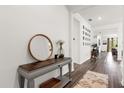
112	45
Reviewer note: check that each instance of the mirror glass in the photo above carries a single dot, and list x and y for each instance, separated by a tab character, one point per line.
40	47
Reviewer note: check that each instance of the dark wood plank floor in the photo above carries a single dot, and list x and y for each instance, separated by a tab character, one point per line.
104	64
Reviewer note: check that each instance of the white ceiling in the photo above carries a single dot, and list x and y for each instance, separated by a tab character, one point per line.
76	8
109	13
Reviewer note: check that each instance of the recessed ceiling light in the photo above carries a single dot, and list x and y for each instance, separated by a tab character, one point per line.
89	19
99	18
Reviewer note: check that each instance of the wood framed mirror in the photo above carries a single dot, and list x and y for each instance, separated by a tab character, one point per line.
40	47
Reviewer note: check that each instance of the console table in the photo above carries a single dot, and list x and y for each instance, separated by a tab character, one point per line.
33	70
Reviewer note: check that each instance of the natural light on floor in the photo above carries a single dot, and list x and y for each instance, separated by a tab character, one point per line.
109	59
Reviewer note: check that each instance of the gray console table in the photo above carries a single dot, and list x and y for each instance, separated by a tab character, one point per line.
33	70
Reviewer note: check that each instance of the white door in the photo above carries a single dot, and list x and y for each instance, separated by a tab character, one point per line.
76	41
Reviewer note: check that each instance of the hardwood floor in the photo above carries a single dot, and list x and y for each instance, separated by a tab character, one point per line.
104	64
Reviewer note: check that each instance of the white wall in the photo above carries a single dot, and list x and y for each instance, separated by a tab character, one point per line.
84	51
122	63
17	25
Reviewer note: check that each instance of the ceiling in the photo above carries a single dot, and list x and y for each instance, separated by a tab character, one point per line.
76	8
108	13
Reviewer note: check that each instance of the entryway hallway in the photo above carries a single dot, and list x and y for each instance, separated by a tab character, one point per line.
105	64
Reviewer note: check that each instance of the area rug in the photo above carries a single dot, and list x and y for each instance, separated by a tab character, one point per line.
93	80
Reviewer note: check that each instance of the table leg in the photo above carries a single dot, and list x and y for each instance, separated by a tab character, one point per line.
21	80
70	68
30	83
60	72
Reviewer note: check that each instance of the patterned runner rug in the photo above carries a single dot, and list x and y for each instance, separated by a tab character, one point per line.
93	80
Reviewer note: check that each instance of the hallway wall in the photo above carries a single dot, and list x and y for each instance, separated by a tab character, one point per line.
122	63
17	25
84	50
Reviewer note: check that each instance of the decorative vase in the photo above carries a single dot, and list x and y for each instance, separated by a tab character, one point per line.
61	54
60	50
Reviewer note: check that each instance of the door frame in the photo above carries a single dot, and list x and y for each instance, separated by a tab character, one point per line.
72	39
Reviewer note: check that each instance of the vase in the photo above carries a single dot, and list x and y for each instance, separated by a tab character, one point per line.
61	52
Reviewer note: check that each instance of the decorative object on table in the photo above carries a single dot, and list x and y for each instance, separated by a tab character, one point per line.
56	56
60	50
93	80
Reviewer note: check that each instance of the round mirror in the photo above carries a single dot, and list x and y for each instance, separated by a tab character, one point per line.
40	47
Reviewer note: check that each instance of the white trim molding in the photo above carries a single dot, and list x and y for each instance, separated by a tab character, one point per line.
122	82
122	73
